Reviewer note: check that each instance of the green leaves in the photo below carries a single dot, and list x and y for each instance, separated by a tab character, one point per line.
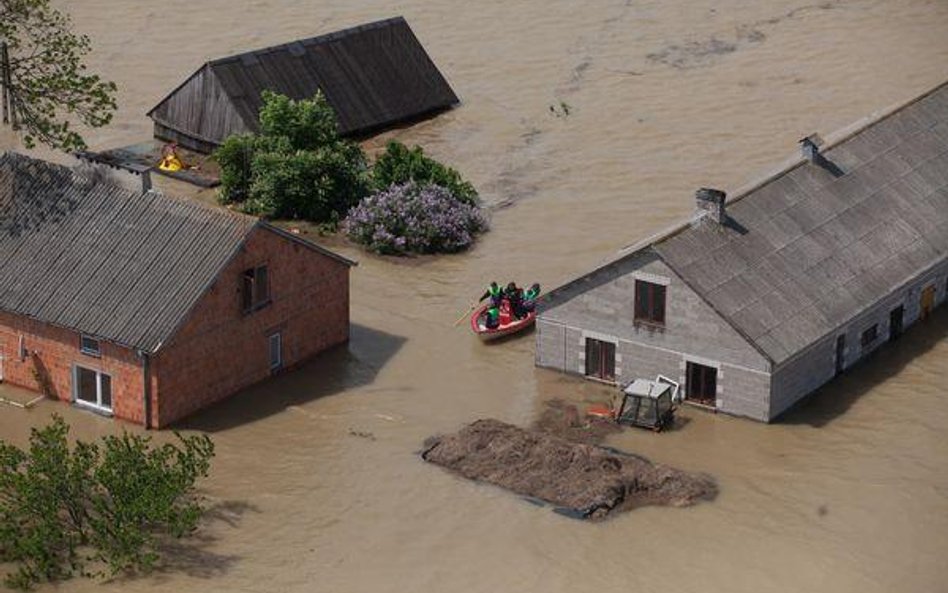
50	88
307	125
297	168
399	165
97	508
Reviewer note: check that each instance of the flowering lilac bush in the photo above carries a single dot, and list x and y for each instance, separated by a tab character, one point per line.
409	218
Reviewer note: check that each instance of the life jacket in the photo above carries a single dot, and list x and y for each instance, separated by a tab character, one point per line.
495	291
493	313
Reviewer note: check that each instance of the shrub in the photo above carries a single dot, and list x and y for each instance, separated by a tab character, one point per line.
94	509
298	167
236	156
307	125
411	218
314	185
400	164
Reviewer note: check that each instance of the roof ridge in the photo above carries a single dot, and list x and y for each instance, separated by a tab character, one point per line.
314	39
789	164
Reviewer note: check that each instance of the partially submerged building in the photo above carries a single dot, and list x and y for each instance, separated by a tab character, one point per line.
760	299
374	76
148	307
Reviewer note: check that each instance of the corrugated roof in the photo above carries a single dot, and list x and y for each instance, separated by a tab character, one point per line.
806	252
118	265
373	75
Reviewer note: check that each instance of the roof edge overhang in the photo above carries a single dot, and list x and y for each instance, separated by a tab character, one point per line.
831	141
305	243
901	287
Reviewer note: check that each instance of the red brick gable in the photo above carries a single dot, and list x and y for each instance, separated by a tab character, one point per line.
220	349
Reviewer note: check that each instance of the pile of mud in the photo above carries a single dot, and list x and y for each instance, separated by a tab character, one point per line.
565	420
585	480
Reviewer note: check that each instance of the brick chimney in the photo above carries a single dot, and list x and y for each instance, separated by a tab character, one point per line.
710	204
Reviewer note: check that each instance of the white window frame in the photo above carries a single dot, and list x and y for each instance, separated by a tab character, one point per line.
278	336
97	406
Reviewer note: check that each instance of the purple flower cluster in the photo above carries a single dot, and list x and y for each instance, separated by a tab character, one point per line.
409	218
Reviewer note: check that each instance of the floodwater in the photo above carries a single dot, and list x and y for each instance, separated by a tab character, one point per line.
317	484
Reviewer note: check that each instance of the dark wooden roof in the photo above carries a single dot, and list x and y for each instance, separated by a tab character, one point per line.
119	265
811	248
374	75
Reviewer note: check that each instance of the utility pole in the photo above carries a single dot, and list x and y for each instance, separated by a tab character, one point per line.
4	81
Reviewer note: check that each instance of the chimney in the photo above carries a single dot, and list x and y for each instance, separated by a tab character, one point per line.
710	204
146	180
810	146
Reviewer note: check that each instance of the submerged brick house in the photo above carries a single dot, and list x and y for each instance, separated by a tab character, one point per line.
149	307
759	300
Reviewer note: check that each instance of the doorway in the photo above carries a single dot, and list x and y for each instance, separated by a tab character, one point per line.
600	359
702	384
895	322
927	302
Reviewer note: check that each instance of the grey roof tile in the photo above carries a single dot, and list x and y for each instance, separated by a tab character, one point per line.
817	249
119	265
374	75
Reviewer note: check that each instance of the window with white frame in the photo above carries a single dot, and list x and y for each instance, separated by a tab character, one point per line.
92	388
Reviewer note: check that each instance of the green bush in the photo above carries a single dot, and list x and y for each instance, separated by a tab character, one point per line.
298	167
399	165
316	185
307	125
96	508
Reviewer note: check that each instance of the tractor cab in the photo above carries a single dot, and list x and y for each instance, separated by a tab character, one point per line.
649	404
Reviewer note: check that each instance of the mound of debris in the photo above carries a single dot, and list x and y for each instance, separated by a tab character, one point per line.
584	480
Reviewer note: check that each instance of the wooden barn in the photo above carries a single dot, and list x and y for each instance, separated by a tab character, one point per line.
374	76
146	307
757	301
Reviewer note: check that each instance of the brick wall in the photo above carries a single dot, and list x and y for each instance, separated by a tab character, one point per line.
55	351
221	350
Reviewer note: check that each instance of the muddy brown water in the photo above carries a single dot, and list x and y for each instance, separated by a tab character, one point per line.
317	479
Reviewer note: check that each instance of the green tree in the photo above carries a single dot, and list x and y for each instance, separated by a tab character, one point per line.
307	125
45	78
319	185
96	508
297	167
399	165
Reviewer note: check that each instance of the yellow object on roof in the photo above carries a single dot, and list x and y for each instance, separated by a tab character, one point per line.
170	162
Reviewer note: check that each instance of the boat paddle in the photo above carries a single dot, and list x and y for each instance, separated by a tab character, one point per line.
465	314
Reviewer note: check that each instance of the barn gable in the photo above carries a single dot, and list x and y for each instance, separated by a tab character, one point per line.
373	76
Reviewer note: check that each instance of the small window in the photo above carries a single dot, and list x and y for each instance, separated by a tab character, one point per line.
89	346
869	336
600	359
649	302
255	289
